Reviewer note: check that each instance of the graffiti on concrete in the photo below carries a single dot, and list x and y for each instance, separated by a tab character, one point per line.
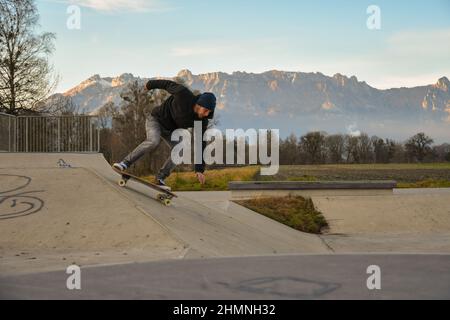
15	202
285	287
63	164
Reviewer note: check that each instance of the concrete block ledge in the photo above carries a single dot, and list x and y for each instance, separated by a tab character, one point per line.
252	189
311	185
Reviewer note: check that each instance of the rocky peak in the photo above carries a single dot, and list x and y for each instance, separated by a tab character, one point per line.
443	84
185	74
340	79
91	81
95	77
343	80
122	79
211	76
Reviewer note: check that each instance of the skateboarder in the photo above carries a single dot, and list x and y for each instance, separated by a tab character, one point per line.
180	110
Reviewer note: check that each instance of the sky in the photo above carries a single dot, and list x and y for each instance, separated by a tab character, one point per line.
151	38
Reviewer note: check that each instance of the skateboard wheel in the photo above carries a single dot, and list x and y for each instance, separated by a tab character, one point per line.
164	199
161	197
122	183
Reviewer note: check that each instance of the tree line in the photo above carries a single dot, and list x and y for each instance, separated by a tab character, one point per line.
323	148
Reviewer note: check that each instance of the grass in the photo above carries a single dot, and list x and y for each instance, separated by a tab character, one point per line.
216	180
294	211
434	175
429	183
287	178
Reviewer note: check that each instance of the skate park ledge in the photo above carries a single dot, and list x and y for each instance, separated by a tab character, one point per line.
253	189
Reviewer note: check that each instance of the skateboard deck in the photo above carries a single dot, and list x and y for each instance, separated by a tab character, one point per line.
164	196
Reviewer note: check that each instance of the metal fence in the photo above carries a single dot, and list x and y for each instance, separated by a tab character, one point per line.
8	125
49	134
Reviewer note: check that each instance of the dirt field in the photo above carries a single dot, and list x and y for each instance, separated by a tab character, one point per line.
426	175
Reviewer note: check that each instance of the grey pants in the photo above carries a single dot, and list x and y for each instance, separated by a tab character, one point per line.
154	133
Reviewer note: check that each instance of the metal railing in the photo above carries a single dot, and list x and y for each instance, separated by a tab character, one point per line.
8	139
49	133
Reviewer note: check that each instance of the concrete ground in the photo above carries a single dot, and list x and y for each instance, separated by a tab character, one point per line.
264	277
63	209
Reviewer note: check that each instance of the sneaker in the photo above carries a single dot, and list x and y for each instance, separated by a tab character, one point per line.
162	184
122	166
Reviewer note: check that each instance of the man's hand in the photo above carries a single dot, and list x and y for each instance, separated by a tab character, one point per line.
201	177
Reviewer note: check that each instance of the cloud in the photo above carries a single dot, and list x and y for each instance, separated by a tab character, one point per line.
120	5
353	131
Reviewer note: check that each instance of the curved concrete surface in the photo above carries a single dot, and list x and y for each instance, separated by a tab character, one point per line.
83	217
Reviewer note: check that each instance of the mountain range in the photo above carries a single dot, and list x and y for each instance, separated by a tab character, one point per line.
298	102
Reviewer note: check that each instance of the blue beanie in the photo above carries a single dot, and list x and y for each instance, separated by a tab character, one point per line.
207	100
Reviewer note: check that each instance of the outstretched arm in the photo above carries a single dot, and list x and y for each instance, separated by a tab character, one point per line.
168	85
200	168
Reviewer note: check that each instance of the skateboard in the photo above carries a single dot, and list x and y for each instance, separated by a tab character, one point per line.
164	196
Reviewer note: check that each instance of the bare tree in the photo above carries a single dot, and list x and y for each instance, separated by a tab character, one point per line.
351	149
313	144
335	147
105	116
398	152
418	147
384	151
25	73
289	150
365	148
106	113
442	152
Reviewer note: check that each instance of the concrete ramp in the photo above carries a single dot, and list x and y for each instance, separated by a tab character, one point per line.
60	209
52	216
